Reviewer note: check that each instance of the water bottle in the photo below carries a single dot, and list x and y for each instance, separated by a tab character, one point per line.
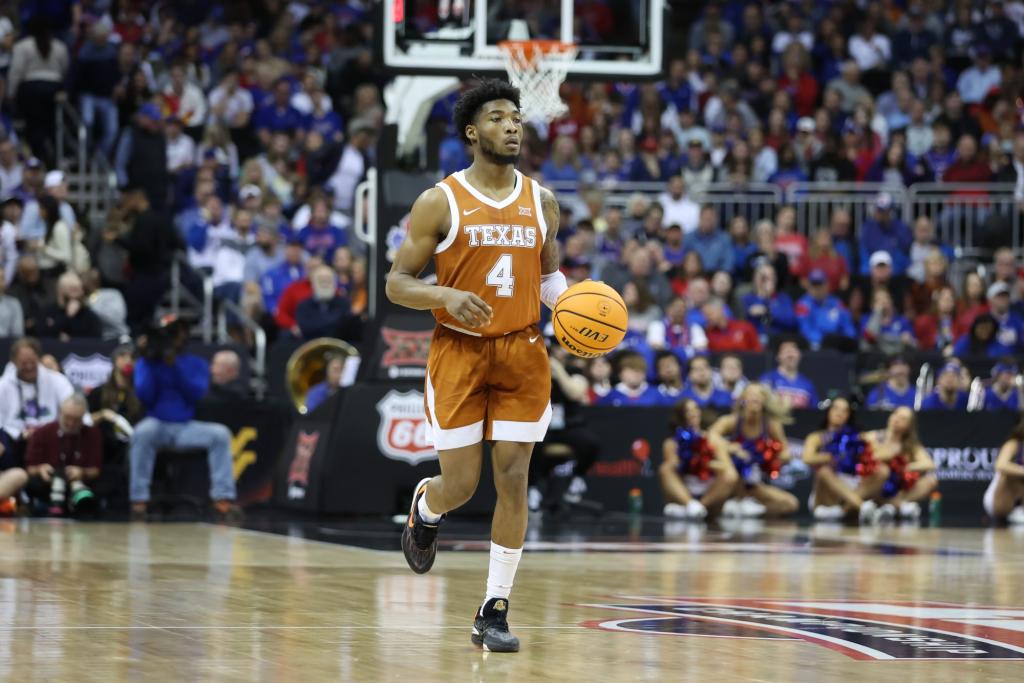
935	509
57	489
636	501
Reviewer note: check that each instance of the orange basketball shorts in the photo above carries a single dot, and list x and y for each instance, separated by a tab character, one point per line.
487	388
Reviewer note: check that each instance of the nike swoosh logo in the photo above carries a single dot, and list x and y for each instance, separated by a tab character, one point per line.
533	339
466	212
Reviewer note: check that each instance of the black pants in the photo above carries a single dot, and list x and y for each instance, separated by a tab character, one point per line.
37	102
580	440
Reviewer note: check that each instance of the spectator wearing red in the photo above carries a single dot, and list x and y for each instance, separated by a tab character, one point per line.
68	451
797	80
967	167
728	335
822	255
788	240
292	296
971	304
936	328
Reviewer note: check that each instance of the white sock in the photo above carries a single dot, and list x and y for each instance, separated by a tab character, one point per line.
426	514
502	571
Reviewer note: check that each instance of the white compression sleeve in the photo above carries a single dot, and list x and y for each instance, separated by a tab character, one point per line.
551	287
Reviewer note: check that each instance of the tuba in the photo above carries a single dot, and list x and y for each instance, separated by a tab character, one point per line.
308	366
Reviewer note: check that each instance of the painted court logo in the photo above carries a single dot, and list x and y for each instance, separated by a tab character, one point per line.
859	630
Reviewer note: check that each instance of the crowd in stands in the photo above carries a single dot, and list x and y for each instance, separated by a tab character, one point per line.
238	132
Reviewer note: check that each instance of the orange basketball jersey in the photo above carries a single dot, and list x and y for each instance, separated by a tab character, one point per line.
493	250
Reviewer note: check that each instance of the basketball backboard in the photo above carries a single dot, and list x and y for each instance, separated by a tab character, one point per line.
616	38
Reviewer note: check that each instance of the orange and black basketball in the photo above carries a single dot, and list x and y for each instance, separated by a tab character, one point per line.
589	319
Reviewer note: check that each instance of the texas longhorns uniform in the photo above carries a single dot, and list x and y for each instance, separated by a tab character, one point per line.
494	382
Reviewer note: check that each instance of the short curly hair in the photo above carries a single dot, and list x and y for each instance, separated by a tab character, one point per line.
487	90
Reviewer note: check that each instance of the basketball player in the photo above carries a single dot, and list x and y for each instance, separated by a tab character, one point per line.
491	232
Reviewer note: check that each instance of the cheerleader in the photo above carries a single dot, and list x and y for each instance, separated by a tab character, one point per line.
911	470
696	472
757	444
846	476
1004	495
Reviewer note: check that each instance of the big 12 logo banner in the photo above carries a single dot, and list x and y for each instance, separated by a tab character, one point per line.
403	432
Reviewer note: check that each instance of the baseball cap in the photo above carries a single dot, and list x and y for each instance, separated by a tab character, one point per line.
695	142
33	163
883	201
53	179
950	367
817	276
1005	367
249	192
880	258
805	124
997	288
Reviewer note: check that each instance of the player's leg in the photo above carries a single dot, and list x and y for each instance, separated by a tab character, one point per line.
672	486
831	487
518	415
1007	492
511	461
909	502
455	403
721	488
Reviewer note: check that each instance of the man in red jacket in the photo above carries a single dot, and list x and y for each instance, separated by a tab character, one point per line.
728	335
293	295
62	458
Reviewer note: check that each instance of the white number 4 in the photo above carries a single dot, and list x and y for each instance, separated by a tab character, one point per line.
500	276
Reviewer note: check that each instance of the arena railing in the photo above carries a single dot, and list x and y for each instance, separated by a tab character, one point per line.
958	210
92	184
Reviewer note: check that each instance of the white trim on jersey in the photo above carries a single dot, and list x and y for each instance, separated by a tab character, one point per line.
453	231
541	223
460	176
458	437
522	432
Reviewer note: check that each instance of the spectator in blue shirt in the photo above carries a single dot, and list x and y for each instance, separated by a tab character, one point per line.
980	340
632	389
319	236
822	319
885	232
896	391
769	311
170	384
320	392
701	388
563	164
279	116
670	377
1009	339
796	390
884	329
947	395
277	279
1003	393
713	245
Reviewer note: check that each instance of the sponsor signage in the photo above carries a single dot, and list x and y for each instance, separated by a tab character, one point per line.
861	630
403	433
87	372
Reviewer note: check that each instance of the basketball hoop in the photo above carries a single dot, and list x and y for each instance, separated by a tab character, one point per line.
538	68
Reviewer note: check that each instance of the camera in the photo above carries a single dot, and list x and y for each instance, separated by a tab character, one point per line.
162	337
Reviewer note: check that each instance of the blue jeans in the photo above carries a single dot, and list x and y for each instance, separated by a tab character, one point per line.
152	434
105	107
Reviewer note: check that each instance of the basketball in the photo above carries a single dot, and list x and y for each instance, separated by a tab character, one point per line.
589	319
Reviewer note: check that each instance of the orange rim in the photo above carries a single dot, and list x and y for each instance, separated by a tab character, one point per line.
527	52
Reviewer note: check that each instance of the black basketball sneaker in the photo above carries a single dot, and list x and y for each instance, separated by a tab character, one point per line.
490	628
419	539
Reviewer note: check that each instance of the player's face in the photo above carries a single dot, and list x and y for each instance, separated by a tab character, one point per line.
838	413
899	421
692	415
498	131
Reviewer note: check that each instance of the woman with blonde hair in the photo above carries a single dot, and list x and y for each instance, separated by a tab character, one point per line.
697	476
911	470
758	448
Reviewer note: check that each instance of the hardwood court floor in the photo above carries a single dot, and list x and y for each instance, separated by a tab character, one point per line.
195	602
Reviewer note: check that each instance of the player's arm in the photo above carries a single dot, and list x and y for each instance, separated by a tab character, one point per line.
813	455
429	217
552	281
670	453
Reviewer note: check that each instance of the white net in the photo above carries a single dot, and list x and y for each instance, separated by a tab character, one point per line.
538	69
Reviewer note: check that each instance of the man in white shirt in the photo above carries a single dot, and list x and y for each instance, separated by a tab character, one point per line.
352	165
181	149
32	226
870	49
976	82
679	209
30	396
10	168
230	105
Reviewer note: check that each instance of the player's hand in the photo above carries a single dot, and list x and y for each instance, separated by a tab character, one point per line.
469	309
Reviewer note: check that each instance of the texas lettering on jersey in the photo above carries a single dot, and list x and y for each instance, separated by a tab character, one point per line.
501	236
